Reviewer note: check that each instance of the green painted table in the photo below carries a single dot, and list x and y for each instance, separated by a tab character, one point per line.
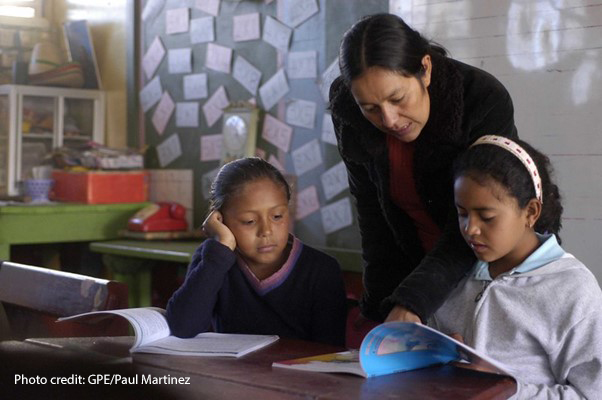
132	260
62	222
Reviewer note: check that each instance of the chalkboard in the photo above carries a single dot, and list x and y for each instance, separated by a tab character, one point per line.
325	226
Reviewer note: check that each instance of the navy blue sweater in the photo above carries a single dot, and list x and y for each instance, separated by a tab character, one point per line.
309	304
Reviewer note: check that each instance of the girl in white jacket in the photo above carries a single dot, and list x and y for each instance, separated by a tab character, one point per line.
526	303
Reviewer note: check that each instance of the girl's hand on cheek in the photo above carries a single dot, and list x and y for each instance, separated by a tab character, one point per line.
214	227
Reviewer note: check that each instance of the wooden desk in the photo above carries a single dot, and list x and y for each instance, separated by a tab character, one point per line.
61	222
252	377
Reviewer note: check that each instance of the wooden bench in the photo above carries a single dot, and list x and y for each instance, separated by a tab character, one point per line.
33	298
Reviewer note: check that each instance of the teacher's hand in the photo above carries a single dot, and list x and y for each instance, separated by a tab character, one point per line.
402	314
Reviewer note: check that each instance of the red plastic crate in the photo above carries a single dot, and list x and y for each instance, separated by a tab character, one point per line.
100	187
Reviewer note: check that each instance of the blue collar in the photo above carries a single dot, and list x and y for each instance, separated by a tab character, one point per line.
549	250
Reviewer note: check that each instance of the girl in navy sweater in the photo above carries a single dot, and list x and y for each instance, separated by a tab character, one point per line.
251	275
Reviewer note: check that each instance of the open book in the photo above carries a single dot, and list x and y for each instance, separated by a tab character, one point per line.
153	336
395	347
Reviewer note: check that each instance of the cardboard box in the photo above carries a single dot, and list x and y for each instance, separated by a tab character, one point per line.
100	187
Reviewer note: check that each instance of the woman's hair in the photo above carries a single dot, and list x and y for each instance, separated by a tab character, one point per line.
235	174
383	40
488	161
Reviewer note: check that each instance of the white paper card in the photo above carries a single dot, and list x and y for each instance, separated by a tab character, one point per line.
202	30
208	6
206	181
176	20
328	134
187	114
211	147
153	57
195	86
218	58
163	112
213	108
277	34
328	76
276	163
246	74
335	180
261	153
152	8
307	157
301	113
302	64
277	132
307	202
297	11
337	215
179	61
150	94
245	27
169	150
273	90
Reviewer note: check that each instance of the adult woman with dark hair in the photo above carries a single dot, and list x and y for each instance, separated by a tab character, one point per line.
402	112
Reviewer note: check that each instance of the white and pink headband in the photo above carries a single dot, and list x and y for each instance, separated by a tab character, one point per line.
520	153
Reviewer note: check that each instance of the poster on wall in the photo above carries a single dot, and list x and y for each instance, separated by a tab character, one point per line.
80	48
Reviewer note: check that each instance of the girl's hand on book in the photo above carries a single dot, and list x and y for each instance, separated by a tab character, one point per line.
402	314
214	227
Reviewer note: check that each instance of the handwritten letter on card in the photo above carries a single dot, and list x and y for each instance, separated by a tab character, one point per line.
180	61
307	157
169	150
201	30
163	113
273	90
176	20
307	202
150	94
245	27
302	64
187	114
195	86
335	180
153	57
213	108
301	113
246	74
277	34
208	6
218	58
211	147
337	215
297	11
277	133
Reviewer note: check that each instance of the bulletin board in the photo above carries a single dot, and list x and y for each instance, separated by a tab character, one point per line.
197	55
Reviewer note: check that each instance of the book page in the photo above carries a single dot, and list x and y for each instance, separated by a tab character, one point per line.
209	344
149	323
343	362
402	346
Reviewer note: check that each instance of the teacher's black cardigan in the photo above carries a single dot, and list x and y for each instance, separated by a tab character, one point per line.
466	103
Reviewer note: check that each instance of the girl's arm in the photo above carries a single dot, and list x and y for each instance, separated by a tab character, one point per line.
577	363
190	310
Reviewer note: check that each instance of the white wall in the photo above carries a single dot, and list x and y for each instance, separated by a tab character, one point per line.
548	53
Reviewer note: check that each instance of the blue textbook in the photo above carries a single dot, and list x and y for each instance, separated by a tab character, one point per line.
396	347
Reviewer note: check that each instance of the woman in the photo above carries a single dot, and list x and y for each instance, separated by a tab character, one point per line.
402	112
